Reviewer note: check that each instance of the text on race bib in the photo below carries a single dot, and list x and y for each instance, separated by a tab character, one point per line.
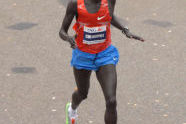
94	35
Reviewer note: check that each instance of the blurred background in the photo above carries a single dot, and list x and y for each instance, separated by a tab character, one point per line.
36	79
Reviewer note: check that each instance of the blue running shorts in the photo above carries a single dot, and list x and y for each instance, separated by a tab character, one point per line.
88	61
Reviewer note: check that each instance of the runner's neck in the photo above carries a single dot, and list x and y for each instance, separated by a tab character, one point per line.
95	1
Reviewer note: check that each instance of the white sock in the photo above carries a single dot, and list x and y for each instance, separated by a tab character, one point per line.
72	113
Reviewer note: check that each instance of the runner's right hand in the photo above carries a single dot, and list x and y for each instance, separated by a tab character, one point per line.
72	42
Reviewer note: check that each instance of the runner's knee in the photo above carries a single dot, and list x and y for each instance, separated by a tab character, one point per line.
83	94
111	103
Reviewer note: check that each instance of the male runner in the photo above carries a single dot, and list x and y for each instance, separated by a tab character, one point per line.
92	50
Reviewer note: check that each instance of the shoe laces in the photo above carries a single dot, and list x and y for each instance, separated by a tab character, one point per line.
73	114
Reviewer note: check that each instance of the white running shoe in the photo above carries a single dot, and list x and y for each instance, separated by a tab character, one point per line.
71	115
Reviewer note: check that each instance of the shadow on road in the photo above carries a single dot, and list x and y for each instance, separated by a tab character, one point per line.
22	26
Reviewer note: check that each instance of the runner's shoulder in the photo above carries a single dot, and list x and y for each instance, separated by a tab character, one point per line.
72	5
74	2
112	2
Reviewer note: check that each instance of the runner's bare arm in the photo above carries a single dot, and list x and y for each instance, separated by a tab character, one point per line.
70	13
116	23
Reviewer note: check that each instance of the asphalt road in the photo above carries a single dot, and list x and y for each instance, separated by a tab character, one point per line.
36	79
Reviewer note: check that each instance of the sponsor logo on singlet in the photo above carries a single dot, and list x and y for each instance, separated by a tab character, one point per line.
94	35
99	18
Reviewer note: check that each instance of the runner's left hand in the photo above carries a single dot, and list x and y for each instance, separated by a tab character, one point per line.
132	36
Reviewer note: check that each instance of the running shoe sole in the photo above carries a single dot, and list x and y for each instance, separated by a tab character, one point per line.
66	111
68	120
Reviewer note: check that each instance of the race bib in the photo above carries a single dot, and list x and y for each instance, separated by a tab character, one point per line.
94	35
